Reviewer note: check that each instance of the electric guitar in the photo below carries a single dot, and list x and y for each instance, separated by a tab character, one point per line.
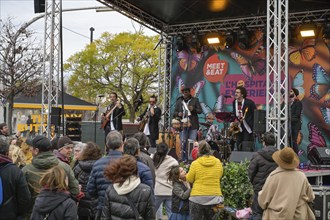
107	116
144	120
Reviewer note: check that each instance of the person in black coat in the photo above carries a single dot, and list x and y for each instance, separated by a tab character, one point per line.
127	198
153	114
187	109
113	115
16	193
243	109
295	118
54	201
261	165
88	156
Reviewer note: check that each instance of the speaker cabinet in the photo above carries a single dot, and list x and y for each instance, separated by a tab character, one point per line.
319	156
259	121
247	146
55	116
73	128
240	156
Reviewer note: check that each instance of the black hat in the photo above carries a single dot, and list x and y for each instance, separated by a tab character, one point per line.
64	141
295	91
40	142
185	89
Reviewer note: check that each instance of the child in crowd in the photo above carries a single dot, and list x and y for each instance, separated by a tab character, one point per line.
180	194
54	201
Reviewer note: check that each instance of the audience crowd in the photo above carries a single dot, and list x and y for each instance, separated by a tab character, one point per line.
61	179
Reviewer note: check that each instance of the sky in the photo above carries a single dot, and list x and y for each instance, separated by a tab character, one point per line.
76	25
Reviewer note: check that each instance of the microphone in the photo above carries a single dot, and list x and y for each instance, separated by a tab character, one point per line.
228	96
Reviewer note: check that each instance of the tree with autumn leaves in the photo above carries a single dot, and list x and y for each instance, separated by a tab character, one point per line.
124	63
20	63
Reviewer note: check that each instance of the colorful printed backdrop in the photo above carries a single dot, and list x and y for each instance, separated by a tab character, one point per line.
214	73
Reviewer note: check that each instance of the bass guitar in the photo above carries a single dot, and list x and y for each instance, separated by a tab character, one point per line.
107	116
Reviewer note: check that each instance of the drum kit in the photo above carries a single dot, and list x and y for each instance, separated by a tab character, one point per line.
218	140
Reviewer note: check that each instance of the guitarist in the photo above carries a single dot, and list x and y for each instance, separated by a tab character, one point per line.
152	116
243	109
112	118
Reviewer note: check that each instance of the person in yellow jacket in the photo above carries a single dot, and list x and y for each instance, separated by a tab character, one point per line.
205	174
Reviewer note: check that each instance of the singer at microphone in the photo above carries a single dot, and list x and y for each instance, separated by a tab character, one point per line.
190	121
243	109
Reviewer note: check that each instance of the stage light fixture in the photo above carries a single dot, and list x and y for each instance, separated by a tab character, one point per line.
213	38
179	42
308	30
243	38
229	42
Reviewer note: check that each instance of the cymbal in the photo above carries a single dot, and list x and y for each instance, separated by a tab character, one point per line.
205	124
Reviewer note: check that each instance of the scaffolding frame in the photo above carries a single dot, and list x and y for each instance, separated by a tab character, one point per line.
51	62
277	20
277	116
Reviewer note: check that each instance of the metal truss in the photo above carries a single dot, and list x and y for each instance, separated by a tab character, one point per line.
135	14
277	70
166	122
249	22
51	62
158	26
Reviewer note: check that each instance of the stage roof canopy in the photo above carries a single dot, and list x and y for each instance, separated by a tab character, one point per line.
70	102
164	13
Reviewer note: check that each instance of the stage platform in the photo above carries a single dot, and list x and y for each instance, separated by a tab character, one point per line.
318	177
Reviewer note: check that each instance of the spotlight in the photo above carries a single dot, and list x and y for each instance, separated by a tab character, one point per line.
243	38
213	38
307	30
229	42
179	43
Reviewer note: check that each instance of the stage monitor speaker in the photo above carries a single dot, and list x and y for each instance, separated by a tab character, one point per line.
319	156
247	146
55	116
259	122
240	156
129	129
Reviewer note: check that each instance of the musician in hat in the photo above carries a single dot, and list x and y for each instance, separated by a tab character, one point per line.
187	109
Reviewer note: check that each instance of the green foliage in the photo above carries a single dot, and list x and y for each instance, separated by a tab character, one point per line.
235	185
124	63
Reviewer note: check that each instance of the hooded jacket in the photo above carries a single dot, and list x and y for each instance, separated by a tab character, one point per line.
82	171
97	183
116	205
16	193
40	164
58	205
205	174
261	165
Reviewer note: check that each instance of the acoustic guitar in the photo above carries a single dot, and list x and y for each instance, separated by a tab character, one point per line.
107	116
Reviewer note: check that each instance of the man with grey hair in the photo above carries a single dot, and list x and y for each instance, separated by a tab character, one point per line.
147	176
97	183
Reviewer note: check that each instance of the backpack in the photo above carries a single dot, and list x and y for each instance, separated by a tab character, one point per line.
1	187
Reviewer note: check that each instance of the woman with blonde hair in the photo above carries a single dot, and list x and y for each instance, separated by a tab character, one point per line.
54	201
